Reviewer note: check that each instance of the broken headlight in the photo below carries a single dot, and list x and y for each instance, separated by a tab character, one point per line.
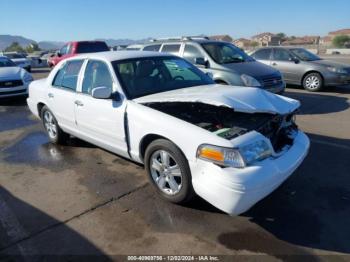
238	158
256	151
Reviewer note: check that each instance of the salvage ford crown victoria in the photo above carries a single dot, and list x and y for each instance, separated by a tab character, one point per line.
231	146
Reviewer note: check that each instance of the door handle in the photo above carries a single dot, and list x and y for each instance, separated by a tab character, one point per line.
50	95
78	103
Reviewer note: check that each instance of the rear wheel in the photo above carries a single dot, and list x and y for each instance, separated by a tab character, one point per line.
168	171
313	82
55	133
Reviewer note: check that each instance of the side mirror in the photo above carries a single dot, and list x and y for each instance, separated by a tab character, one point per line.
295	60
201	61
101	92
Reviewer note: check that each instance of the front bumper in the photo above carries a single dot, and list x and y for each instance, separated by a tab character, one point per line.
279	89
234	190
337	79
14	91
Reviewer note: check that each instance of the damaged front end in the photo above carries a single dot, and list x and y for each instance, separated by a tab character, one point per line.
225	122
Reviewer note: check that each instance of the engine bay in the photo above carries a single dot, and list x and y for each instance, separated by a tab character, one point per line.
228	124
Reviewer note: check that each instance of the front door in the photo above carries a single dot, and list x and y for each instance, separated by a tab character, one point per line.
101	120
283	61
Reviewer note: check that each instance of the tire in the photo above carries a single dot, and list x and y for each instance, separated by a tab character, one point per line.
163	175
220	82
53	130
313	82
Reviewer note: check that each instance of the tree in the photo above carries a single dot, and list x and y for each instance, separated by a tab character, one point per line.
340	40
254	44
281	35
32	48
14	47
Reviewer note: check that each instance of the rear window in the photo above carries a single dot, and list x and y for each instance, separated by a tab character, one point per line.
92	47
263	54
172	49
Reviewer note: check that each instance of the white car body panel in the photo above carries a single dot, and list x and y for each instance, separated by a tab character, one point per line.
120	126
241	99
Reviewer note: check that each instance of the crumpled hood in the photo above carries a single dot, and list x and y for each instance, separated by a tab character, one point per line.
11	73
331	63
241	99
254	69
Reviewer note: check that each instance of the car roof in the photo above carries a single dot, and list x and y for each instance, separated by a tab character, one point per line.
169	41
119	55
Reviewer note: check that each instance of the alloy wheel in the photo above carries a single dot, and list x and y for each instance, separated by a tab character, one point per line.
312	82
165	172
50	124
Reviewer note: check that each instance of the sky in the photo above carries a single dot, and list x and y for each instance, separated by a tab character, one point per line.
137	19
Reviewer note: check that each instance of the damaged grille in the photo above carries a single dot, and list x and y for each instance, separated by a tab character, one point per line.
271	81
279	130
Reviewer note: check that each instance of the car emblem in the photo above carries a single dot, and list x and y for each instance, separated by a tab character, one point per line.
8	84
275	81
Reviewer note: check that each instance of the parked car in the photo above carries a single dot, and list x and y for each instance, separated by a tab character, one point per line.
14	80
301	67
225	62
19	59
231	146
73	48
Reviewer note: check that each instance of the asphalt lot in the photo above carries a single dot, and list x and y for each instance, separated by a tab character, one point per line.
81	200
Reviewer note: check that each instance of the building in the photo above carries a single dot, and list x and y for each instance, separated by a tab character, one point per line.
339	32
242	43
267	39
224	38
304	40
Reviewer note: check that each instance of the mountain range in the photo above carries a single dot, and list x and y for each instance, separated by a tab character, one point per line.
6	40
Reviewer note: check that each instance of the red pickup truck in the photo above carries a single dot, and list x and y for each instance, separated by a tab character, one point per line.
73	48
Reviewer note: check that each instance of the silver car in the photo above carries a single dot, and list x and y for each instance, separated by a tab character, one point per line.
301	67
225	62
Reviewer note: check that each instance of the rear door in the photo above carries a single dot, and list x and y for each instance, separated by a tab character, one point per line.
61	94
101	120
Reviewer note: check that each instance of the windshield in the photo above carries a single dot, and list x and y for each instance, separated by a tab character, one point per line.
4	62
225	53
304	55
145	76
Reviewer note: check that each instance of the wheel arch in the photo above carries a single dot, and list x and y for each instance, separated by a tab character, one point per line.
148	139
310	72
40	107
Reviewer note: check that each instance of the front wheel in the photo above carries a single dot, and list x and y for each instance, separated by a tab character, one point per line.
55	133
313	82
168	171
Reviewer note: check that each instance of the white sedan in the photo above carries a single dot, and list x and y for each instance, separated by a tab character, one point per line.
230	145
14	80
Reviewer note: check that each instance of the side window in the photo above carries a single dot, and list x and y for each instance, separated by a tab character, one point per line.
263	54
281	55
67	76
171	48
152	48
191	53
180	71
63	50
97	75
